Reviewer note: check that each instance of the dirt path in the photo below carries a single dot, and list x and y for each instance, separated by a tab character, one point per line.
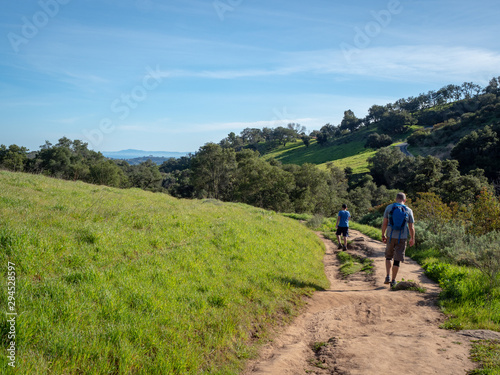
366	328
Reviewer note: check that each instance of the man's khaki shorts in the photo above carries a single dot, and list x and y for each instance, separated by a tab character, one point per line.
396	250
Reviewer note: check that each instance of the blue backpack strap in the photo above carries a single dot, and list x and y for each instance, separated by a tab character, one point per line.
391	220
405	210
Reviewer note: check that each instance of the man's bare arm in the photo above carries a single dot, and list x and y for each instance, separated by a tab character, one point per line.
411	227
385	223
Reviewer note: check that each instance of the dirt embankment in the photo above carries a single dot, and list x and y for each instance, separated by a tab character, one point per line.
359	326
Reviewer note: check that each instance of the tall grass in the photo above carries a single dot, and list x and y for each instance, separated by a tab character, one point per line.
129	282
375	233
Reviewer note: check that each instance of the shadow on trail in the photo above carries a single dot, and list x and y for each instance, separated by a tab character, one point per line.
299	284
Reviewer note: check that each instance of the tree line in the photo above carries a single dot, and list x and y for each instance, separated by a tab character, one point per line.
232	169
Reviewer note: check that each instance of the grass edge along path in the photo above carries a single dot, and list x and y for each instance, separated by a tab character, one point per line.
131	282
485	352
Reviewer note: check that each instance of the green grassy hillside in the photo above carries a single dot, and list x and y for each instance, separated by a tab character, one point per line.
347	151
113	281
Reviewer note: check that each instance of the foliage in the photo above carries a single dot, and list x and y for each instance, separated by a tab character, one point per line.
485	214
394	122
416	175
13	158
487	353
480	149
381	163
376	140
300	217
350	121
126	281
316	221
481	252
351	264
370	231
430	207
213	171
262	184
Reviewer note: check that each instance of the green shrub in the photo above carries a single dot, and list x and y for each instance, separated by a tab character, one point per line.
374	219
316	221
482	252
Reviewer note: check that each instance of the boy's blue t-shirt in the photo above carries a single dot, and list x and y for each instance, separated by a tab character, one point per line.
344	218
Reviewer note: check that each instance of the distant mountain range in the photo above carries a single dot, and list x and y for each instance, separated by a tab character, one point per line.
132	154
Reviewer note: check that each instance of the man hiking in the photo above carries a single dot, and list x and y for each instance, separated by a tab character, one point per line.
343	226
398	222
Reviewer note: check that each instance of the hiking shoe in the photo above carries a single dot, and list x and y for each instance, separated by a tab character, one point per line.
393	283
339	246
387	280
344	248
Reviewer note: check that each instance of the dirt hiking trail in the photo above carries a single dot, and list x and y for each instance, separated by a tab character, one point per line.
360	326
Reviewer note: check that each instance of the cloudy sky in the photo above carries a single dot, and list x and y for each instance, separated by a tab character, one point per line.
172	75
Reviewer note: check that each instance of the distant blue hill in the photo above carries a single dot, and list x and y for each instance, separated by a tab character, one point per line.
132	154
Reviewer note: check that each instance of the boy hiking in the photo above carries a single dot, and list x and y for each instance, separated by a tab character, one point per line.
398	222
343	226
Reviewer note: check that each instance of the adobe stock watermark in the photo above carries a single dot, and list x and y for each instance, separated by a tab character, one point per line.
223	6
31	26
123	105
11	314
372	29
282	118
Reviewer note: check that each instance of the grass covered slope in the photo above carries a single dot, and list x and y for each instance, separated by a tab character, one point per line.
346	151
131	282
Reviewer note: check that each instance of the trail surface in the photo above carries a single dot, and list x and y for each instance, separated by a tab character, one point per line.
404	149
360	326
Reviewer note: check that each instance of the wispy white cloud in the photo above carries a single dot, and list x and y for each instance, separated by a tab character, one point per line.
400	63
163	127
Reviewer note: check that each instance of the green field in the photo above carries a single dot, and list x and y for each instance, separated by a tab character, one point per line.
298	153
113	281
347	151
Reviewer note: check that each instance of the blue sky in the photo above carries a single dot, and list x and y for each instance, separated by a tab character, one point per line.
173	75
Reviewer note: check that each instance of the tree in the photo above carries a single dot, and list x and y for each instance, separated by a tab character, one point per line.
232	141
468	88
376	140
479	149
178	183
145	176
13	158
311	192
213	171
485	214
427	175
251	136
396	122
350	121
322	139
306	139
267	134
261	184
381	163
176	164
493	86
284	135
106	172
297	128
375	113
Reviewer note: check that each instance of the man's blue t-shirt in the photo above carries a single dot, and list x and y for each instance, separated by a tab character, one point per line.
344	216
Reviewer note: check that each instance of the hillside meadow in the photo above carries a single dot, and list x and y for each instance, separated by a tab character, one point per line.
112	281
347	151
